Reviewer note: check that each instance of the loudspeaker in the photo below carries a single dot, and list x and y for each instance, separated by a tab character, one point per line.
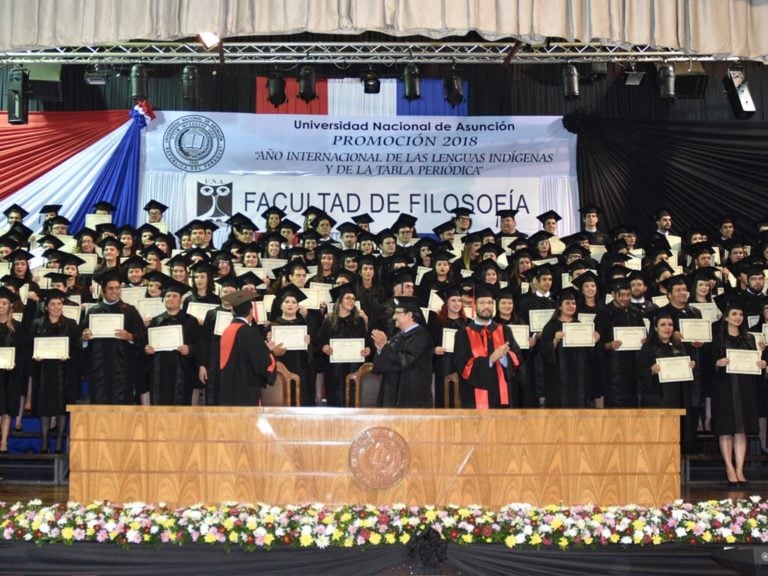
18	96
738	93
45	82
747	561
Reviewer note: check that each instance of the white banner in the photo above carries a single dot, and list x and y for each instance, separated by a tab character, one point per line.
216	164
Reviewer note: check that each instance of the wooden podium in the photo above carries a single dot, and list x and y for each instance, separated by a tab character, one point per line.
184	455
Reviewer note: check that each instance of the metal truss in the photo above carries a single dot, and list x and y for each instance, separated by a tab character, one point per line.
342	53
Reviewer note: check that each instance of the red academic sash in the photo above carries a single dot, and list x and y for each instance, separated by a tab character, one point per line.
479	346
227	342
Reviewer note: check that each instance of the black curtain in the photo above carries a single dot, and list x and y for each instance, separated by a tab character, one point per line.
698	171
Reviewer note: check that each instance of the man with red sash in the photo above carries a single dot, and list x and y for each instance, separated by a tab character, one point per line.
488	360
246	362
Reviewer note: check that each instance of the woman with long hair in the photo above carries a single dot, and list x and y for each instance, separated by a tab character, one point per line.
203	285
734	396
54	381
11	378
451	316
297	361
344	321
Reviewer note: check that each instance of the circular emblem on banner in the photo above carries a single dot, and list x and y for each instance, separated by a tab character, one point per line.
379	457
193	143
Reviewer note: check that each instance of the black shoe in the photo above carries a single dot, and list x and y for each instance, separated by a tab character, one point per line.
44	451
58	451
743	484
4	451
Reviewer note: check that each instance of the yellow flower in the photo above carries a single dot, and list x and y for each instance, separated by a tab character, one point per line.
615	538
467	538
268	539
707	536
329	519
147	537
556	523
172	536
390	538
229	523
656	540
431	515
597	518
405	538
346	517
305	539
463	512
563	542
752	522
510	541
233	537
690	525
209	538
588	540
251	524
90	531
375	538
36	525
638	524
348	543
337	534
67	533
269	519
730	539
135	525
535	540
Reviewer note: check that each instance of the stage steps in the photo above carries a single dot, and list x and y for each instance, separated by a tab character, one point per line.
707	466
23	462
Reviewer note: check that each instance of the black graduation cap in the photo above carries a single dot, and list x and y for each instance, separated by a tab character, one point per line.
15	208
178	260
590	209
617	245
157	276
265	239
112	241
296	252
53	294
472	237
700	248
426	241
175	286
7	294
404	221
703	273
523	252
20	231
69	259
725	219
52	254
491	248
311	210
241	222
183	231
730	301
86	232
50	208
134	262
658	251
12	281
323	216
231	281
203	266
449	291
210	225
197	254
549	215
620	284
57	277
222	256
148	228
462	211
288	291
309	235
362	219
540	236
400	276
146	252
486	264
617	271
483	290
506	213
409	304
576	249
660	268
539	271
104	205
288	224
673	281
367	260
249	278
754	269
50	240
329	248
384	234
442	228
348	227
273	210
637	275
567	294
106	228
19	254
583	278
340	291
442	256
111	275
401	257
576	265
155	205
351	253
732	243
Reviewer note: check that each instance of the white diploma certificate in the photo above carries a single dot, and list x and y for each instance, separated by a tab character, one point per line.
93	220
346	350
133	295
420	271
72	312
631	337
578	334
675	369
7	358
259	312
696	330
743	362
18	316
708	310
435	302
291	337
449	337
89	265
223	319
199	310
660	301
166	338
104	325
584	317
565	280
150	307
521	334
312	299
323	290
51	348
538	318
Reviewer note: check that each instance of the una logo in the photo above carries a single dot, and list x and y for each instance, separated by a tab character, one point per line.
193	143
214	200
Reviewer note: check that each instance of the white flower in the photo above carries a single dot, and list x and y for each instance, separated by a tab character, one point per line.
626	540
680	532
322	541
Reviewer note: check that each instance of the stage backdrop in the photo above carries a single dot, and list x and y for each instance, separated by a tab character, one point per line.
213	165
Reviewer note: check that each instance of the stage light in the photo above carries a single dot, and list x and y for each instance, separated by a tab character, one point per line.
453	88
208	39
632	77
569	75
18	96
276	88
139	80
736	88
411	82
666	77
307	84
190	83
371	82
96	76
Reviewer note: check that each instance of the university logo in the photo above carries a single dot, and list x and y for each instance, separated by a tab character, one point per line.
193	143
214	200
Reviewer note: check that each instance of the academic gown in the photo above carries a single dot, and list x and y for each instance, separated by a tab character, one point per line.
481	384
12	381
443	363
298	361
208	356
619	366
406	365
735	400
113	365
54	382
654	394
171	375
246	365
336	373
565	370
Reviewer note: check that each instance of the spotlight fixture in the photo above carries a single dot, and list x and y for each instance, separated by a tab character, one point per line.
736	88
96	76
18	96
411	82
666	78
139	80
371	82
453	88
570	78
190	83
276	87
632	77
209	39
307	84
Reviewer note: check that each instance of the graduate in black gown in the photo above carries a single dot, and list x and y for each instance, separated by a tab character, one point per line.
405	360
207	356
488	360
287	301
114	363
54	380
171	372
11	336
452	317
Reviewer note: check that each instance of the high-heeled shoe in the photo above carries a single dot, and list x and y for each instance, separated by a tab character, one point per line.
743	483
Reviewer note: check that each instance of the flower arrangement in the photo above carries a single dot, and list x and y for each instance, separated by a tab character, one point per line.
261	526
